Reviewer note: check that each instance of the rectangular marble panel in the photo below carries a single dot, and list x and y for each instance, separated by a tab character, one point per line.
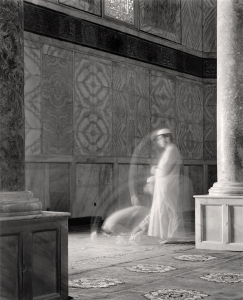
92	121
195	174
51	114
45	262
124	77
59	202
65	139
10	282
119	124
191	20
105	174
210	94
32	90
161	18
212	175
124	199
142	82
50	138
236	213
143	126
91	6
86	198
190	149
210	114
32	141
32	44
87	174
32	62
59	177
120	100
212	223
57	52
130	145
189	131
210	150
102	72
92	144
189	111
209	25
189	91
58	98
162	86
162	107
119	145
106	204
210	132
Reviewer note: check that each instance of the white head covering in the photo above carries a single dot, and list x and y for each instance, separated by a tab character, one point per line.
163	131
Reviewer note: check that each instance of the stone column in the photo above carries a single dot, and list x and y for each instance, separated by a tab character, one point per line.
229	98
14	200
219	222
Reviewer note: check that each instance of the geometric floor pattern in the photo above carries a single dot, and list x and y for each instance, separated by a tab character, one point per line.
195	257
87	283
224	277
176	294
147	268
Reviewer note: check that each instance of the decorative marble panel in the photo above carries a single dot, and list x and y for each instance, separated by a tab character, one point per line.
32	141
162	107
143	147
65	139
191	19
162	86
119	145
124	77
210	150
133	127
32	89
122	10
143	106
32	62
210	132
57	115
142	81
59	177
209	25
120	102
96	144
92	121
105	174
189	131
50	138
119	124
212	175
189	91
143	126
161	18
57	73
91	6
210	114
130	145
190	149
188	110
210	94
58	98
32	115
57	52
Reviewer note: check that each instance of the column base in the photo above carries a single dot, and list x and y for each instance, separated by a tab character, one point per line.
20	203
219	222
226	188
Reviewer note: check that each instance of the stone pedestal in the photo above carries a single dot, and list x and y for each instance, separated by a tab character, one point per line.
219	221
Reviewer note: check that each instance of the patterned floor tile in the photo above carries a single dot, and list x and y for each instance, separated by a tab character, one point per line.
177	294
148	268
224	277
195	257
87	283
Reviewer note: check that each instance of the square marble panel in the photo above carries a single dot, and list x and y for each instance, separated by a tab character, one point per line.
190	149
59	177
124	77
162	86
162	107
32	62
142	82
58	98
210	94
189	91
87	174
210	132
86	198
32	89
92	144
156	20
60	202
93	7
50	138
191	17
189	131
143	126
92	121
57	115
210	114
210	150
32	141
159	123
65	139
32	114
209	25
57	52
143	106
119	145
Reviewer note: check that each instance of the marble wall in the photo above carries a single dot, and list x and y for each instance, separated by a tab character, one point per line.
81	105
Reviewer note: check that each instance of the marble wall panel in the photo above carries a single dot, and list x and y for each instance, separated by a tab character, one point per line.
209	25
86	201
188	110
191	22
62	115
158	123
162	107
119	145
50	138
143	126
35	181
32	91
196	177
161	18
124	77
57	52
32	62
190	91
124	199
210	150
93	6
119	124
212	175
210	132
210	114
143	147
65	139
142	82
60	202
132	129
58	98
190	149
189	131
32	115
32	141
210	94
143	106
163	86
59	177
89	174
120	102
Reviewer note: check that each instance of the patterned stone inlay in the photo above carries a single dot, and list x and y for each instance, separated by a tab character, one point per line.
120	9
224	277
181	294
87	283
195	257
147	268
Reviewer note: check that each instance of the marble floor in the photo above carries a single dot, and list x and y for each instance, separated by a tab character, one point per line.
106	267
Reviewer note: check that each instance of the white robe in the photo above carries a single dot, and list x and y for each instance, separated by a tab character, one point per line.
166	211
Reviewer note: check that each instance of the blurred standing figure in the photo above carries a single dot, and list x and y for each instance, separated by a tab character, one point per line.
166	211
165	216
